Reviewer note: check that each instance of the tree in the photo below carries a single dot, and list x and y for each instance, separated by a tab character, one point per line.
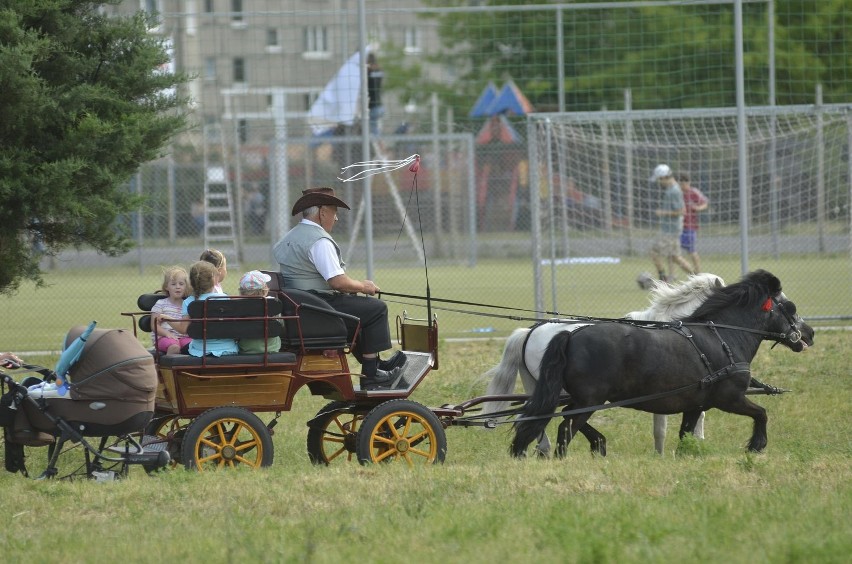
84	102
676	56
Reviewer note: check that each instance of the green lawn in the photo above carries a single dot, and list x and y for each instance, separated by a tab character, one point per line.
789	504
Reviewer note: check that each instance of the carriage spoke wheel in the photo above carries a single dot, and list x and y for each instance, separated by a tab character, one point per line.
401	431
333	434
226	437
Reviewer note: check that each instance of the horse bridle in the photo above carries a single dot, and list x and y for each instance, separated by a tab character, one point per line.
795	335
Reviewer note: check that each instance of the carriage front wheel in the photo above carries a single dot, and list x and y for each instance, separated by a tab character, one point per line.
226	437
333	433
401	431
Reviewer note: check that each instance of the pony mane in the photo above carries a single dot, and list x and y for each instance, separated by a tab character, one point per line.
676	301
750	292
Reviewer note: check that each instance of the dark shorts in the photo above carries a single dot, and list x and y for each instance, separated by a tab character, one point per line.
688	239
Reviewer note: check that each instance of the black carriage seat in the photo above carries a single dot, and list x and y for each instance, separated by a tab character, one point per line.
227	318
145	302
320	326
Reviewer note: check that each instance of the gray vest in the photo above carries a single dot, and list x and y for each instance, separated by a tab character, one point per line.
294	262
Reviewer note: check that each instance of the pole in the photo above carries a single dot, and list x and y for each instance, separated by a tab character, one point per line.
365	138
820	180
741	136
532	151
774	181
436	174
560	59
628	166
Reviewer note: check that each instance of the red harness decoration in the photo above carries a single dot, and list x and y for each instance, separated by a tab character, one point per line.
767	305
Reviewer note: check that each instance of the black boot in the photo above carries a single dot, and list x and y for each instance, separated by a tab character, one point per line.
375	379
397	360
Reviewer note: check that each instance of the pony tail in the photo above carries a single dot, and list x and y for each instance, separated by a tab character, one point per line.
545	398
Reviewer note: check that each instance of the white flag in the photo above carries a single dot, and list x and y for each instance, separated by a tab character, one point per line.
338	102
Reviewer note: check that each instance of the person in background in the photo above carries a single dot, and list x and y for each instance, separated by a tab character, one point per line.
375	75
310	260
176	287
253	283
217	259
203	277
670	212
694	202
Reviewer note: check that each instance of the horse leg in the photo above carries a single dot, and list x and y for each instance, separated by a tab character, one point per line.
689	422
597	442
744	406
568	428
699	427
659	432
542	448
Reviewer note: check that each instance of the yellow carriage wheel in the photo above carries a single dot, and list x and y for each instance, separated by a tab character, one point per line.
226	437
333	433
401	431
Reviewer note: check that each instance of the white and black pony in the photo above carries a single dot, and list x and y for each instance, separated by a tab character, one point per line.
525	347
699	363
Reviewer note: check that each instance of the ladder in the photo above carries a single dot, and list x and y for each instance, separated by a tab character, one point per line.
219	217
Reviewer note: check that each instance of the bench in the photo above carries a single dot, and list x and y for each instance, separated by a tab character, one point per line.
303	321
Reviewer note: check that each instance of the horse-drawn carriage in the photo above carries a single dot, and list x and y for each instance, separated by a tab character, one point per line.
202	411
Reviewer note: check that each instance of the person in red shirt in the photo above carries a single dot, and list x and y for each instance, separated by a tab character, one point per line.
694	202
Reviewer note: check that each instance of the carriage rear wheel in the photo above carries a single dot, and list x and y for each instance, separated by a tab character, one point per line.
226	437
333	434
401	431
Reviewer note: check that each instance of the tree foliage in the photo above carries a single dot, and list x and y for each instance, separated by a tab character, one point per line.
676	56
84	102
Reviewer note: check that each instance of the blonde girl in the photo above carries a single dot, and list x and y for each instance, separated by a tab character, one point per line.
165	337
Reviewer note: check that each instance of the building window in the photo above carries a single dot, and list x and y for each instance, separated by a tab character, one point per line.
237	10
273	44
191	17
154	11
209	7
272	37
210	68
411	40
315	39
242	130
239	69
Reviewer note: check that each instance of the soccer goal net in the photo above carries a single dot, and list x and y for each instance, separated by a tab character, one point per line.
597	200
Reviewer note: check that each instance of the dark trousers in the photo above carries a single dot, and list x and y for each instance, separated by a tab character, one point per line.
373	313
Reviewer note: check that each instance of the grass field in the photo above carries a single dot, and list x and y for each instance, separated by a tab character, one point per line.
789	504
38	319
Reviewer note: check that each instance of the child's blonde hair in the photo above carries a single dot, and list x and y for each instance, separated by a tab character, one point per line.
257	292
173	273
202	277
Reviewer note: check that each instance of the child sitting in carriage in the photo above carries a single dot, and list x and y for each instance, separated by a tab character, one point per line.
176	287
253	283
203	277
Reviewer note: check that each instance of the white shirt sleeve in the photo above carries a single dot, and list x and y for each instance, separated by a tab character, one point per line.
325	259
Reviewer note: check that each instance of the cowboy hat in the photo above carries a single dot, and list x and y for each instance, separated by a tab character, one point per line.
318	197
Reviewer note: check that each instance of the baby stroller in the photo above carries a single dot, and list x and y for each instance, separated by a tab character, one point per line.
108	393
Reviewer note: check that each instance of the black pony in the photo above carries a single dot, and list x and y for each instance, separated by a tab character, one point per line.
687	367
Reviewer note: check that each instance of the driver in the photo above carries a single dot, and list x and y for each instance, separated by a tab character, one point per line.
309	259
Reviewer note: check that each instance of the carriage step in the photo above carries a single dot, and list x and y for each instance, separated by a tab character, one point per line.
149	444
